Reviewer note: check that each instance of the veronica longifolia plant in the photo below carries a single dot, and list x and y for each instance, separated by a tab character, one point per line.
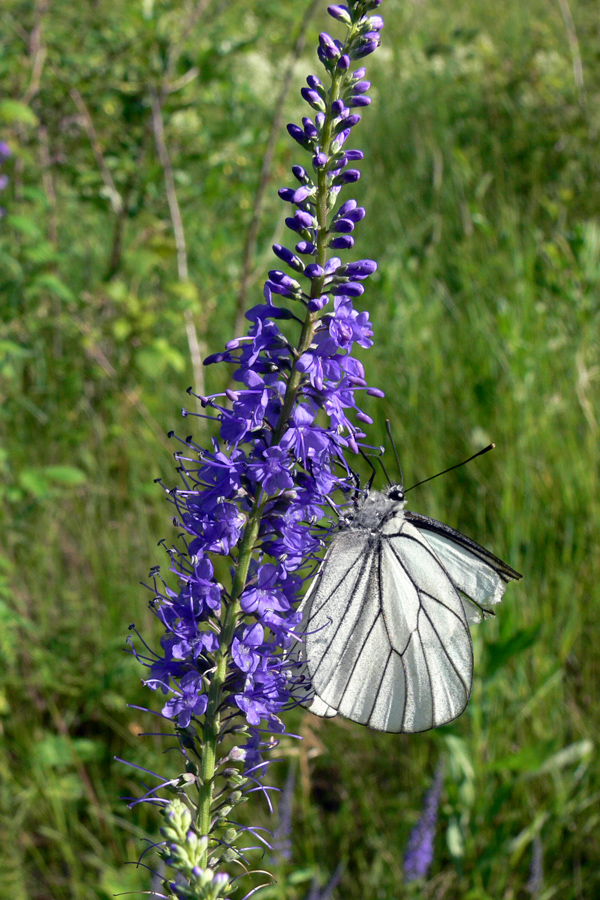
255	496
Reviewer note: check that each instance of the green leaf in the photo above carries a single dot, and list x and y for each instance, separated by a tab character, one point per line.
568	756
53	284
13	111
499	652
25	225
455	839
38	481
69	475
528	760
186	290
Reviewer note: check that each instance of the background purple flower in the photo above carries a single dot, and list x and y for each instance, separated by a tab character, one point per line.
419	849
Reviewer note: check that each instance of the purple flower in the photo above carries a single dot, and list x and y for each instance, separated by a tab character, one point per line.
189	701
273	470
347	326
419	849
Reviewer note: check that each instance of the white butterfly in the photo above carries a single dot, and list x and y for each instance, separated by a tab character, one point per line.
385	635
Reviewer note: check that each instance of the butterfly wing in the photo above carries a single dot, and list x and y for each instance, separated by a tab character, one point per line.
387	643
476	572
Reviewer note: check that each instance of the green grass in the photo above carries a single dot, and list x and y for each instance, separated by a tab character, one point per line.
481	185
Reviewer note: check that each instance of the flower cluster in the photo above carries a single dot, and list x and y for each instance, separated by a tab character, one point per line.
252	506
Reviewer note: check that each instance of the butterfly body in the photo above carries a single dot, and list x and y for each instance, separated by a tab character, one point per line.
385	622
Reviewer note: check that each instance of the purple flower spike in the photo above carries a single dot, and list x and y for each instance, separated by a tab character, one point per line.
419	849
253	505
4	150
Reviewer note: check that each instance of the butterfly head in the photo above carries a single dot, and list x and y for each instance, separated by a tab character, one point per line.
395	492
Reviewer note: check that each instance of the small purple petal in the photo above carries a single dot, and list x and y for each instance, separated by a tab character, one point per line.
306	248
341	13
301	174
328	47
352	156
350	176
318	303
288	257
314	270
342	243
349	289
297	134
345	226
302	193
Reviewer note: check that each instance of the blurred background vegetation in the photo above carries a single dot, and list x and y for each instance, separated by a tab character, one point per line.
138	131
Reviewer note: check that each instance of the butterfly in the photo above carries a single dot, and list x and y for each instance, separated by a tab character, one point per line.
385	623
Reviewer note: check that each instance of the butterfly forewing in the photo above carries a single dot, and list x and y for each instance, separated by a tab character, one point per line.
476	572
373	652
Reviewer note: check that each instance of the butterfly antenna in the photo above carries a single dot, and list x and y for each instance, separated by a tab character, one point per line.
389	431
457	466
368	461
